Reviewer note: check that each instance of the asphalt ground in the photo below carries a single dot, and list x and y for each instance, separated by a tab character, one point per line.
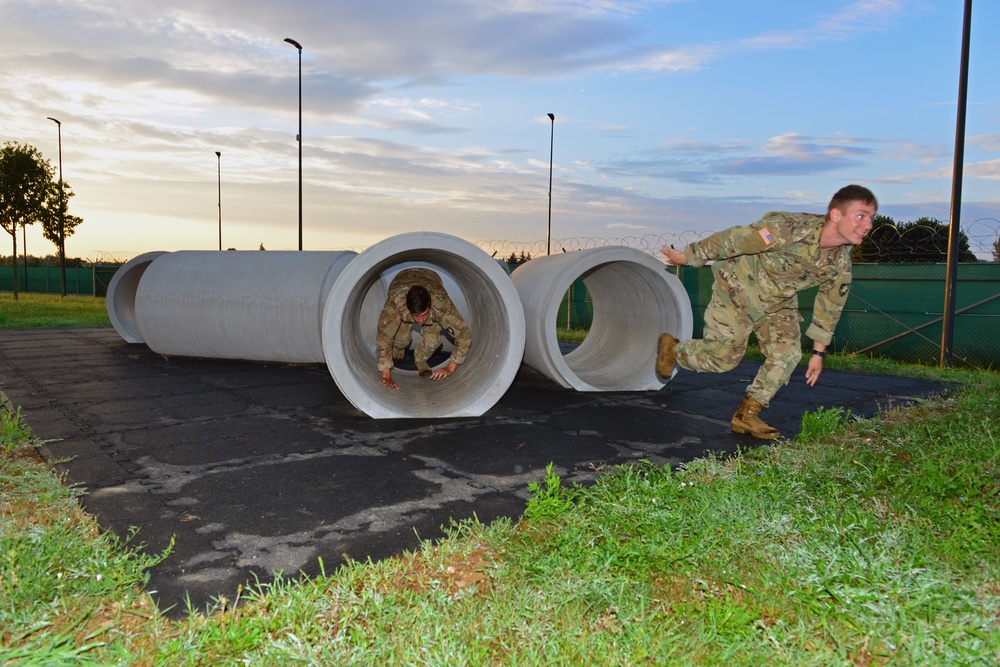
255	468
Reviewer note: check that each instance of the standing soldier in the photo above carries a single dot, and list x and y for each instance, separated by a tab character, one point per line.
759	269
416	296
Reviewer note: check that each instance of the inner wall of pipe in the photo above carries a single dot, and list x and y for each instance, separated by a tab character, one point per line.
634	301
482	293
263	306
631	310
120	302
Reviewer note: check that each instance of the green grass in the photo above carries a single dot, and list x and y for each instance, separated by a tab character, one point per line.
571	335
860	542
46	311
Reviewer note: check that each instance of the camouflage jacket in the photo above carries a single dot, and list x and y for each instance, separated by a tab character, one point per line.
444	315
769	261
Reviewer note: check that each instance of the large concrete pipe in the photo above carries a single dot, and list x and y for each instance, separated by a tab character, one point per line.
481	291
263	306
635	300
120	301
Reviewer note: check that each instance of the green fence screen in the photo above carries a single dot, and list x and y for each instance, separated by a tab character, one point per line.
89	280
894	310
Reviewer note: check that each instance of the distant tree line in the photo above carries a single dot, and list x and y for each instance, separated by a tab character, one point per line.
47	260
515	261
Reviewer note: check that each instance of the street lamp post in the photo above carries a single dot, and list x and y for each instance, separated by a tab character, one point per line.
299	135
552	136
62	217
218	155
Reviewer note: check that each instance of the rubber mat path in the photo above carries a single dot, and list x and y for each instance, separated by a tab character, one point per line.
255	468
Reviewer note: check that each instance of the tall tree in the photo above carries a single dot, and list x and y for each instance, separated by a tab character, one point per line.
57	224
25	187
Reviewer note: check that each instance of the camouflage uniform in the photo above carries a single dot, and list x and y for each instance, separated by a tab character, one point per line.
395	322
758	270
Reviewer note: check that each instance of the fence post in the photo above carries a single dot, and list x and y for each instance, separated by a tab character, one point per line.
954	227
569	307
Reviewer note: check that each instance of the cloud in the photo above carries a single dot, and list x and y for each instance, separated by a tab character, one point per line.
796	154
700	163
989	170
626	226
784	166
233	50
859	17
985	142
688	59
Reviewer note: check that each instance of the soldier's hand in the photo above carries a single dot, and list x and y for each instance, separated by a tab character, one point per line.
814	369
387	380
675	257
442	373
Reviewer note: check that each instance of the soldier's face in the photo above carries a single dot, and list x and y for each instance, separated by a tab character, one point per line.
420	318
853	224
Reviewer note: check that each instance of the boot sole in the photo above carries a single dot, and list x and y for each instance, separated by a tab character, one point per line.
743	430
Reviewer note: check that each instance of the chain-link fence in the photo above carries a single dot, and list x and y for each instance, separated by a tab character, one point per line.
895	309
906	242
81	278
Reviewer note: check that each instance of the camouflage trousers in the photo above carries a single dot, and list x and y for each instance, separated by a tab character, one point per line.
427	343
728	324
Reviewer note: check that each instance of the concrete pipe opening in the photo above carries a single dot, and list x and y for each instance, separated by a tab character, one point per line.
261	306
481	291
120	302
634	298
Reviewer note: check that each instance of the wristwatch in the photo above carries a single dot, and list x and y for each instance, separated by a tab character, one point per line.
819	353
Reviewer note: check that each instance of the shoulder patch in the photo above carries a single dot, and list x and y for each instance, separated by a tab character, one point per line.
765	234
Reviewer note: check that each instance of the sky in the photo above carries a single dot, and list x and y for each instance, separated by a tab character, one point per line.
671	116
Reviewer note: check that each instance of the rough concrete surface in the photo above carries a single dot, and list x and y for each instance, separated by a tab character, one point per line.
258	467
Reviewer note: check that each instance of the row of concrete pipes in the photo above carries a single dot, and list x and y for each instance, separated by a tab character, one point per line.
316	307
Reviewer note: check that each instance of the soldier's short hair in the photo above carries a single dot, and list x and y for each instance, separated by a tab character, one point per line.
852	193
418	299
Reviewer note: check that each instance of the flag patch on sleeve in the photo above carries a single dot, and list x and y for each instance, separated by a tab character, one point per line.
765	234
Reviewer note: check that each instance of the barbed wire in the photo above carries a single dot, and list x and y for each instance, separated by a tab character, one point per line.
983	235
113	256
923	241
650	243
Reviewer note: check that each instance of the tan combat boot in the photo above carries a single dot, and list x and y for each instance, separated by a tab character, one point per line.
747	420
424	369
666	355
